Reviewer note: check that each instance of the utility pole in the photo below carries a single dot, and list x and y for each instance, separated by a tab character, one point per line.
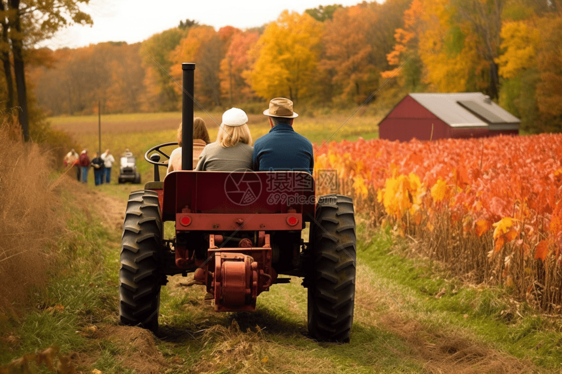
99	126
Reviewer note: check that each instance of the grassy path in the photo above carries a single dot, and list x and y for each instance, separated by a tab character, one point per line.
408	318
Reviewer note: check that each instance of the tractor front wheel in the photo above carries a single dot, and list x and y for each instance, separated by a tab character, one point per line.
331	283
140	281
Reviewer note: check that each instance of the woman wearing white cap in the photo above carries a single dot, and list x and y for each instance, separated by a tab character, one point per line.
232	149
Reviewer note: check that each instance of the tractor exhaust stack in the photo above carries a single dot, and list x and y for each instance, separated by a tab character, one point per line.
187	116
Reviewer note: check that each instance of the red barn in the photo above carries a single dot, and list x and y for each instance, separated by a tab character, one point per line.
430	116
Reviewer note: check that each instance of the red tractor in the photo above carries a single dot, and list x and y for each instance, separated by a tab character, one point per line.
238	232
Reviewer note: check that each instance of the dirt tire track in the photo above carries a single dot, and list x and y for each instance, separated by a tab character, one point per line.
111	208
138	348
440	352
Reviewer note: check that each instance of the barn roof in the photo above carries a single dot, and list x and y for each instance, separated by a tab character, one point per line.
470	109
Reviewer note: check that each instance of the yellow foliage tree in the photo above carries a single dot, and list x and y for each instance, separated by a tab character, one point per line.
447	48
287	57
519	43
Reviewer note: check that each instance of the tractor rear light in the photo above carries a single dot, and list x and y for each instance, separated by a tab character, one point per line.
292	221
185	221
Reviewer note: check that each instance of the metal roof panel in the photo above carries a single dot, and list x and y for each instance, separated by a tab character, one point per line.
446	106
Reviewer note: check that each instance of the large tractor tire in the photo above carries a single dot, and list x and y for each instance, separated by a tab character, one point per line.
331	283
140	281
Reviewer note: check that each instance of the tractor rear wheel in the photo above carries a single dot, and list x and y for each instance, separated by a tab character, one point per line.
140	281
137	178
331	284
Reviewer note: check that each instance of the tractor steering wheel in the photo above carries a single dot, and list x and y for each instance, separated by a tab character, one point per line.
156	160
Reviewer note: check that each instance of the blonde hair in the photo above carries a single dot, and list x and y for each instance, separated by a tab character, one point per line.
230	136
199	131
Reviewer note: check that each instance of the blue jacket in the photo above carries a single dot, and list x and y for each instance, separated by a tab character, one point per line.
283	149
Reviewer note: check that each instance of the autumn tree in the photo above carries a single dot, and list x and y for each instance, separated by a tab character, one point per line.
28	22
549	89
405	58
485	19
5	57
348	53
448	50
529	46
161	94
323	13
108	72
237	60
519	44
202	46
288	54
124	94
187	24
389	17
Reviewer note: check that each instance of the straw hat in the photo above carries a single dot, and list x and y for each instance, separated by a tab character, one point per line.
280	107
234	117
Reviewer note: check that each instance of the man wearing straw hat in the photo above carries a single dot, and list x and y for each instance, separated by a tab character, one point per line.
282	148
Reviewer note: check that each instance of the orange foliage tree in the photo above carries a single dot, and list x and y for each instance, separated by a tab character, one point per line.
348	53
236	61
202	46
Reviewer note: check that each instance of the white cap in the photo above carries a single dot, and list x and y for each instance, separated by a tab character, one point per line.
234	117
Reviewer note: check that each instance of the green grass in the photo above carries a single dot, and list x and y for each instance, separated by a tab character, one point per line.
481	313
278	330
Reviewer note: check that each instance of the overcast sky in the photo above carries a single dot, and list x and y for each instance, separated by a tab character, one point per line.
135	20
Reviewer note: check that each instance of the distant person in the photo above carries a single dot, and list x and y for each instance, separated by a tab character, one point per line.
97	164
84	162
233	148
108	161
127	153
282	148
200	140
71	159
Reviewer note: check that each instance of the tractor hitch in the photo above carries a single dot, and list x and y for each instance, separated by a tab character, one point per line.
236	275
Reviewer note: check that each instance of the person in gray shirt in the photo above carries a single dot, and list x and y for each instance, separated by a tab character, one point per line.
232	150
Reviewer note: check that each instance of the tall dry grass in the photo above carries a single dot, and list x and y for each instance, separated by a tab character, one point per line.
28	215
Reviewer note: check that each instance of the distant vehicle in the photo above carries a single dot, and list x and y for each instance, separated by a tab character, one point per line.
128	169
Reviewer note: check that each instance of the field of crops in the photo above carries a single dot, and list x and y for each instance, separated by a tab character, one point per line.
488	208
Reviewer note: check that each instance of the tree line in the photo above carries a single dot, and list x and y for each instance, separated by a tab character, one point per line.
331	57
